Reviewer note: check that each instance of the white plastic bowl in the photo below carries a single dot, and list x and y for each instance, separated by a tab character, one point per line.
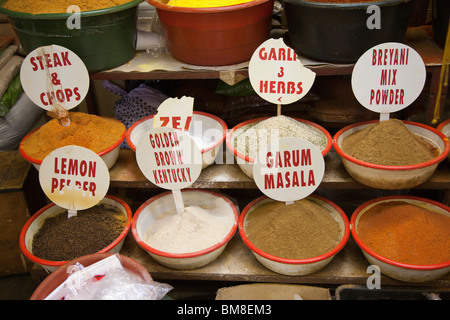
245	162
109	155
33	225
296	266
444	128
392	177
391	268
207	130
164	202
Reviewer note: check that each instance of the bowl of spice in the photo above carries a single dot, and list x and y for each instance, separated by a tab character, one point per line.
103	135
342	30
51	238
444	127
190	238
294	239
207	131
407	237
214	33
247	138
390	154
102	33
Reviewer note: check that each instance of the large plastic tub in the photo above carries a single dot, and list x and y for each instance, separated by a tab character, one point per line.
106	39
215	36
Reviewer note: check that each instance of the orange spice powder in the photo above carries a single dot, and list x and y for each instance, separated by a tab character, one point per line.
59	6
85	130
406	233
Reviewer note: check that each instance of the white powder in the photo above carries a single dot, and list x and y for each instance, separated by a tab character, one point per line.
260	134
195	229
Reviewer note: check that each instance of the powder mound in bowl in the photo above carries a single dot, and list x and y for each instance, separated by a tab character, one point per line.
258	135
388	142
85	130
301	230
204	3
61	238
405	232
59	6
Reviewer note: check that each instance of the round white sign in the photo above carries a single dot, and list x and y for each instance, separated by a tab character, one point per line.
388	77
54	77
277	75
169	158
74	177
289	169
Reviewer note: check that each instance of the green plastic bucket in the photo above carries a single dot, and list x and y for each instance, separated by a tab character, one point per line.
106	38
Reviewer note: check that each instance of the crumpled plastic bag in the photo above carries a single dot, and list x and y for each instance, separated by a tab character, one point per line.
120	284
107	279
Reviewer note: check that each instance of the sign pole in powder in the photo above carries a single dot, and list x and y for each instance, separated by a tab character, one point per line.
277	75
74	177
170	159
55	79
388	77
289	169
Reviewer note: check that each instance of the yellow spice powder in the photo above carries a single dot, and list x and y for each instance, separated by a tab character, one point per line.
59	6
85	130
204	3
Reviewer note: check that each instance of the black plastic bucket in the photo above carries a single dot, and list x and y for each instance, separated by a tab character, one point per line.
338	32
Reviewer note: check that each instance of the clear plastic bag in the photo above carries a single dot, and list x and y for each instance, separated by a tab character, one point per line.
107	279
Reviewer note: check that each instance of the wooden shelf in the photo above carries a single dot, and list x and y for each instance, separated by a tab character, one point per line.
237	263
126	174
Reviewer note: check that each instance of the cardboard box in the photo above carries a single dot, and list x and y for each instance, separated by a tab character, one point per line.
272	291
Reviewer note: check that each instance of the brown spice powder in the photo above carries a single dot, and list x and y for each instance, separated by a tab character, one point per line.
85	130
59	6
406	233
388	142
300	230
61	238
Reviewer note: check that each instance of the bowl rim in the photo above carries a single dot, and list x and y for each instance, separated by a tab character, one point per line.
162	6
319	258
56	16
32	257
443	125
194	254
247	122
101	153
344	5
433	161
358	211
200	113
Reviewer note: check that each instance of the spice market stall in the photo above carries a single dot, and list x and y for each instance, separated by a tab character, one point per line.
226	176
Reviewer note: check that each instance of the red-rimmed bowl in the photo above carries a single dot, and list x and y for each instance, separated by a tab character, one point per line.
215	36
296	266
394	269
207	130
33	225
109	155
444	128
244	161
159	206
392	177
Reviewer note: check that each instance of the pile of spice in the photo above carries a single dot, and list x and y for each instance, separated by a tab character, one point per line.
59	6
203	3
407	233
300	230
388	142
196	228
260	134
61	238
85	130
